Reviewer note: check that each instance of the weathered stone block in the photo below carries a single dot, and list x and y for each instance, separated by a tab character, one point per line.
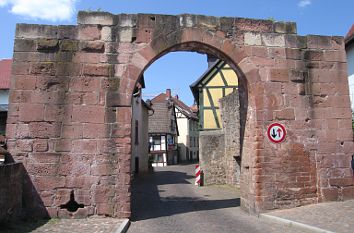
44	129
106	34
252	38
49	183
69	45
335	55
48	45
127	20
24	45
55	113
253	25
285	114
125	35
83	84
279	75
67	32
273	40
285	27
105	209
337	42
73	131
95	130
92	46
295	53
295	41
88	32
36	31
103	170
342	182
319	42
43	68
330	194
40	145
25	82
20	68
81	181
348	193
89	114
98	70
63	145
313	55
102	18
31	112
298	76
40	169
75	168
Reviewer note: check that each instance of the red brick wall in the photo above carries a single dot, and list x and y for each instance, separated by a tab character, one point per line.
70	106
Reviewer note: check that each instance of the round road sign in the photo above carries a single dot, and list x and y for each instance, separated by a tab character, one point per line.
276	132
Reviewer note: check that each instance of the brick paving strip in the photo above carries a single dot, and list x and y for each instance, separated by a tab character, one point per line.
87	225
324	217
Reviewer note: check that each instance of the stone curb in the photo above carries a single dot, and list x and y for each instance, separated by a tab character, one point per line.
123	226
300	226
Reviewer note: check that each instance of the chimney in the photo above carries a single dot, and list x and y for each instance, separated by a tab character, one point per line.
168	93
176	97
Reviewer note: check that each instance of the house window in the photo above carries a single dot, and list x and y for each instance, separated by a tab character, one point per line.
136	132
157	143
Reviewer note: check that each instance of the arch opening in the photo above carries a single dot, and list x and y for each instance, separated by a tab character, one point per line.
218	61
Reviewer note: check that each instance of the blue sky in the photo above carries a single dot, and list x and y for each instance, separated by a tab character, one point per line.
178	70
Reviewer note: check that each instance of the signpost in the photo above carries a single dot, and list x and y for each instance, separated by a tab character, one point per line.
276	132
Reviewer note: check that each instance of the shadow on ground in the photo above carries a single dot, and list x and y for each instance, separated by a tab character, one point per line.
148	204
22	226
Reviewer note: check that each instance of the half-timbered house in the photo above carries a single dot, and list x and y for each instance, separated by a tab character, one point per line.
217	82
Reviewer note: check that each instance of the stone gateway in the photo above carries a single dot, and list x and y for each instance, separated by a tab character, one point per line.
69	119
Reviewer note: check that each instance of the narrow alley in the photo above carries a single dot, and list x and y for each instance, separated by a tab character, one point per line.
167	201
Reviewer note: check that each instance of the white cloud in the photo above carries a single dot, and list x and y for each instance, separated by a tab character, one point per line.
304	3
3	2
53	10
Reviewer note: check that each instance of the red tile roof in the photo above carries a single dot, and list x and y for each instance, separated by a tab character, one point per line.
351	32
5	73
349	38
159	98
183	107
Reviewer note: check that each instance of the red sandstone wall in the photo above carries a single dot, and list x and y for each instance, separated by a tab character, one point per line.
11	191
70	115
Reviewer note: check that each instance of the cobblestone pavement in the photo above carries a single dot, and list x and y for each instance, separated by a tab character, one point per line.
88	225
331	216
167	201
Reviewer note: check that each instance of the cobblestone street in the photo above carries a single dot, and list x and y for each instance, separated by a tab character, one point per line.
87	225
331	216
167	201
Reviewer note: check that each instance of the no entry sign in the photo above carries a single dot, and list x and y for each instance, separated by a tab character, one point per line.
276	132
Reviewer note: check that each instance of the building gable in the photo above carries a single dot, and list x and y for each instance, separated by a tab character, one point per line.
217	82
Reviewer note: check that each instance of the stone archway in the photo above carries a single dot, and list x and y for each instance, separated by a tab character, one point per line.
136	70
70	107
